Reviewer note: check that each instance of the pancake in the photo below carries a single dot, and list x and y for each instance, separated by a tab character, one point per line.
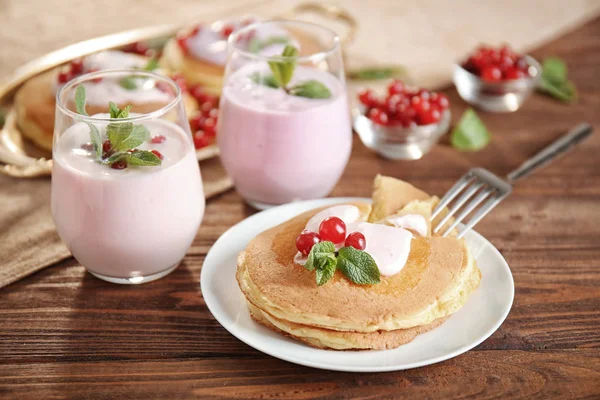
436	281
35	104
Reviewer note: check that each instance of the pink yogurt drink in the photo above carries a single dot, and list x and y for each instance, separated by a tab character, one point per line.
131	225
280	148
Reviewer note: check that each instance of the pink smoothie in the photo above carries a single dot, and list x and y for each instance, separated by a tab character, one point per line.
133	222
280	148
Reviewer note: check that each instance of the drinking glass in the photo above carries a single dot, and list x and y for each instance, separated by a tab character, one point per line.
276	145
125	223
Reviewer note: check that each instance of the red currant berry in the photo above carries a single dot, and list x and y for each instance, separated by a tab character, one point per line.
430	116
391	103
332	229
119	165
196	121
491	74
306	240
368	98
378	116
157	139
214	113
157	154
182	42
440	99
64	76
419	104
396	87
514	73
209	127
206	107
424	94
106	146
76	66
201	140
356	240
227	30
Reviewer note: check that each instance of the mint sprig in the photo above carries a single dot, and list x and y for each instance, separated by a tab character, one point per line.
129	82
256	45
554	81
124	137
470	134
282	72
377	73
357	265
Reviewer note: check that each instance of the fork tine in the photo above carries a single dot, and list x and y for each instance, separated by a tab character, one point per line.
458	204
450	194
486	208
470	207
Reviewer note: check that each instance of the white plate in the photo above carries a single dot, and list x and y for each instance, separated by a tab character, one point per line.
484	312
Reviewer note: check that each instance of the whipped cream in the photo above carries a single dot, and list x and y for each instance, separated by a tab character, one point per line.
210	45
100	93
414	222
388	245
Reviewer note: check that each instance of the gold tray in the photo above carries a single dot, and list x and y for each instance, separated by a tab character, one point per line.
21	159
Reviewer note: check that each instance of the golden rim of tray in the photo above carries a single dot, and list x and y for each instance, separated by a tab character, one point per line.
21	159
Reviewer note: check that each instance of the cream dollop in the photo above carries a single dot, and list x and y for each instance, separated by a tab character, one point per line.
388	245
415	222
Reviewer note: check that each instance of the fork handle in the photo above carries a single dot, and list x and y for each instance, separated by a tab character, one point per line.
549	153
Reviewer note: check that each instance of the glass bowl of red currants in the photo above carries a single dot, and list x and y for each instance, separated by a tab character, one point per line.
496	79
404	124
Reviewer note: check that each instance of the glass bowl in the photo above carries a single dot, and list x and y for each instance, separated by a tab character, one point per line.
397	142
504	96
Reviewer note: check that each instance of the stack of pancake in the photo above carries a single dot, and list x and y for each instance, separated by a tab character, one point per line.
439	276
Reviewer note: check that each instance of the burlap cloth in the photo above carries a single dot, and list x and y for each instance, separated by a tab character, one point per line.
426	36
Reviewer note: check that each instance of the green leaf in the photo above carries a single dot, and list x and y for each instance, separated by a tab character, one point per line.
470	134
96	140
554	70
113	110
358	266
127	136
128	83
142	158
326	270
317	253
311	89
377	73
117	133
114	158
266	80
256	45
565	92
151	65
80	100
284	70
124	113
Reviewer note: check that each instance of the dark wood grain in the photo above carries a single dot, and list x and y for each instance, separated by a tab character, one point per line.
65	334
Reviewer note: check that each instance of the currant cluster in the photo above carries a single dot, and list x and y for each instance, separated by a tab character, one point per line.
497	64
404	106
204	122
141	48
331	229
73	70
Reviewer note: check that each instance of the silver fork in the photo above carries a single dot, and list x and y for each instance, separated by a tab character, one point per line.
480	184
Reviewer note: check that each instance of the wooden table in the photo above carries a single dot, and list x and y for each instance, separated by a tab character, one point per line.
64	333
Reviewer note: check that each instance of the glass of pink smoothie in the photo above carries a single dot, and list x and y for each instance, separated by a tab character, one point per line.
284	137
127	195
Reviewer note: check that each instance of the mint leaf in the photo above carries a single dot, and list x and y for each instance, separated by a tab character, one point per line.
268	80
127	136
142	158
113	109
326	270
151	65
554	80
311	89
377	73
554	70
124	113
80	100
96	140
358	266
284	70
117	133
470	134
128	83
114	158
256	45
317	254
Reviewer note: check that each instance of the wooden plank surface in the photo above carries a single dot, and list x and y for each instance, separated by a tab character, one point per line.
65	334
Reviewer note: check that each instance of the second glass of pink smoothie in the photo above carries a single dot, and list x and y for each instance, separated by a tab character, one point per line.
286	139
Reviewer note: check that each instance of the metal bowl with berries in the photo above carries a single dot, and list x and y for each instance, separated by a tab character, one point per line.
404	124
496	79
